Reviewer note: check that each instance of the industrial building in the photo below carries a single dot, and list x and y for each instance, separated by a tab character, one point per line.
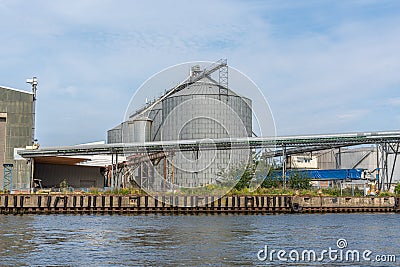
16	131
185	138
78	172
378	162
119	175
201	107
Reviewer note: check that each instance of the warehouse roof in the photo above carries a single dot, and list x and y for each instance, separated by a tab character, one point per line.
13	89
82	160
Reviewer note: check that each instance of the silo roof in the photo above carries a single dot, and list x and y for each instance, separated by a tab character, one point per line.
140	117
205	86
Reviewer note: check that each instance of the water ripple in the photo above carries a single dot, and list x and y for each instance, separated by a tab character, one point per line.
162	240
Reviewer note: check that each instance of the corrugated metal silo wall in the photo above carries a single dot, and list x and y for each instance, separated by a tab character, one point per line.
358	158
203	118
155	114
115	135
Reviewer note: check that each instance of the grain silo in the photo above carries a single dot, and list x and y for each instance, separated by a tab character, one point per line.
199	111
199	108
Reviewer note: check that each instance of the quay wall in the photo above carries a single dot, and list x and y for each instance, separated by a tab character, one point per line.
74	203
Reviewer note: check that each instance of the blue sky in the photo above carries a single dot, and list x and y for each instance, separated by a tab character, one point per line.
324	66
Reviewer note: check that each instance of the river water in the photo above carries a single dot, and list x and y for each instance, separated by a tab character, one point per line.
196	240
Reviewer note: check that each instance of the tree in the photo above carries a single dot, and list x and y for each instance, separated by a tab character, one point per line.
298	180
271	182
247	175
397	189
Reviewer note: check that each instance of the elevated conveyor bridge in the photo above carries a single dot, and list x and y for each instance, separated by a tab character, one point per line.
387	142
292	144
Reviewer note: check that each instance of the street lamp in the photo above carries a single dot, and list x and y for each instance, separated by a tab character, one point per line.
34	84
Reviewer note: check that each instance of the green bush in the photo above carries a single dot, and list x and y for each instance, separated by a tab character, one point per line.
386	194
245	179
270	182
349	192
297	180
397	189
64	186
125	191
331	191
94	190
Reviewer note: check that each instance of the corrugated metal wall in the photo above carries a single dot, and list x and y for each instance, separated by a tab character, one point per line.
3	123
363	158
18	107
76	176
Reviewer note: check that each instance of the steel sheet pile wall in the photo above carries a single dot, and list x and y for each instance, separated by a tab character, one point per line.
20	204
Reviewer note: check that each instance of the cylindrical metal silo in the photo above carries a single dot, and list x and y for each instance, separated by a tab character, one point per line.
203	111
141	127
128	130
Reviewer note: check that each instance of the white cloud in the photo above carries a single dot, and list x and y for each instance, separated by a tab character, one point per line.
395	101
319	65
353	115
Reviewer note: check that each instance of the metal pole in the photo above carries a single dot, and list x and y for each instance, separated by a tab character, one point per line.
365	189
284	166
116	170
141	175
172	173
165	174
341	188
377	165
383	162
112	171
34	83
32	173
394	164
386	176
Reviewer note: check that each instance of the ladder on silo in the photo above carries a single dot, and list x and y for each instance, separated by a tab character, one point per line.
223	80
222	67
